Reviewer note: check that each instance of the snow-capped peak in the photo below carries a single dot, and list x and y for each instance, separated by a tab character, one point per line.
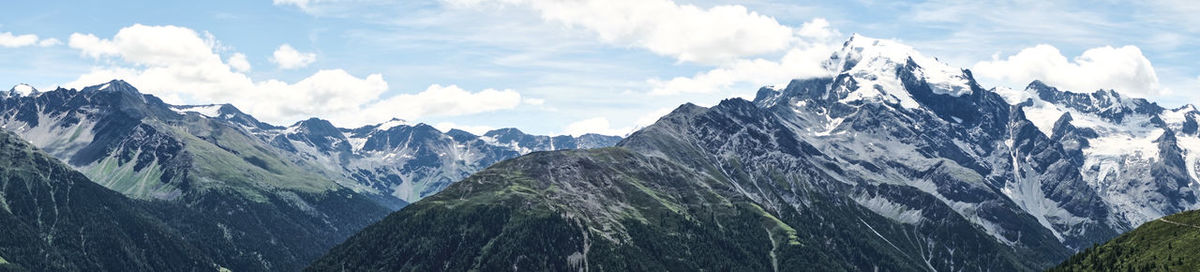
395	122
860	52
874	63
23	90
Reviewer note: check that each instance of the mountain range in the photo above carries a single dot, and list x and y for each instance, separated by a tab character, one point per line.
893	161
251	196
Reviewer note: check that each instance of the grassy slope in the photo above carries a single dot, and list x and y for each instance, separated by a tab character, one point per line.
629	213
55	219
254	211
1154	246
244	164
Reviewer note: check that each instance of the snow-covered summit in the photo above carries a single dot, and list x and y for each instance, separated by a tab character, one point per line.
394	122
876	65
23	90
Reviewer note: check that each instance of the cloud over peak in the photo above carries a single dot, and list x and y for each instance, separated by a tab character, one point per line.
183	67
1123	69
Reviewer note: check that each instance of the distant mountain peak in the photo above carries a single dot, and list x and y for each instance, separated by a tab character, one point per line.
877	66
22	90
316	127
115	85
394	122
503	131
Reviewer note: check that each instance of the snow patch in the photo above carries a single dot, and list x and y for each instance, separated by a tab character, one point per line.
889	209
1043	115
1191	155
830	126
1176	117
1012	96
1118	145
356	143
206	110
395	122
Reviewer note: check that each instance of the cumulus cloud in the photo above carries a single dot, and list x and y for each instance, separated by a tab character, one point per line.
239	62
1123	69
686	32
802	61
180	66
92	46
288	58
7	39
438	100
598	125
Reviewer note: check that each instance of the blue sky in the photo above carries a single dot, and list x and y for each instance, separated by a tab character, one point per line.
567	66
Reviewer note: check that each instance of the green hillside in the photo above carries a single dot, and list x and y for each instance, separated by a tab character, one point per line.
615	210
53	218
1171	243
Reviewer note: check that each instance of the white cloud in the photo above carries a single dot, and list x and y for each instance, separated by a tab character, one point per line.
535	101
651	117
438	100
798	63
239	62
303	4
598	125
1124	69
477	130
176	64
601	125
92	46
688	33
49	42
288	58
802	61
7	39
